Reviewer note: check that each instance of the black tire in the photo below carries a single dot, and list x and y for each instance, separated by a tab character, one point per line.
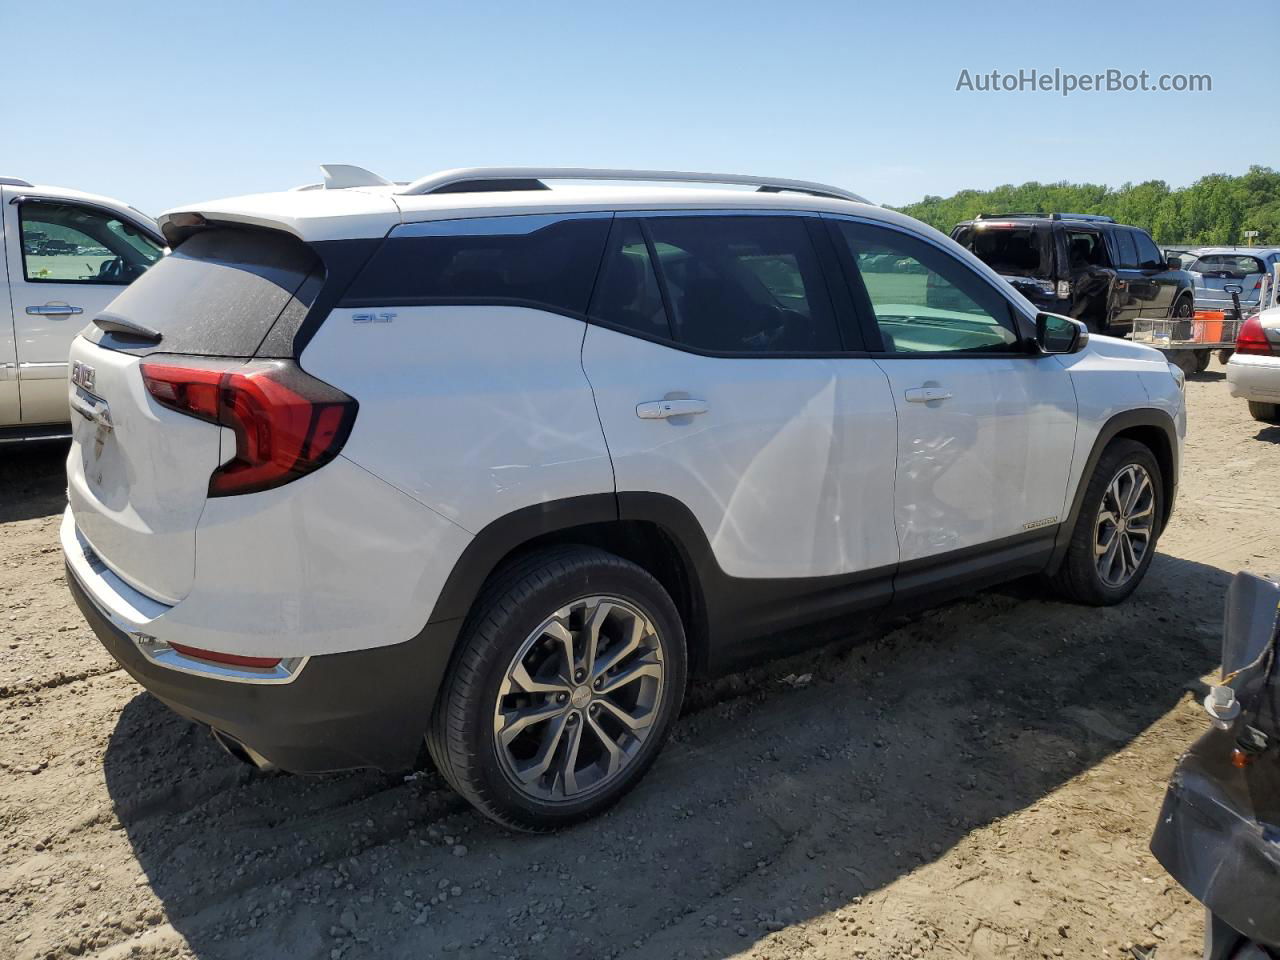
1184	308
517	600
1224	355
1078	579
1202	360
1265	412
1184	360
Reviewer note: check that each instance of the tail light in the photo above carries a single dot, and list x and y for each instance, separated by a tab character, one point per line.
1252	338
286	422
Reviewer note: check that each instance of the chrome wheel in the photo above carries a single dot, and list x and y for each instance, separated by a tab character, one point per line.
1122	533
579	699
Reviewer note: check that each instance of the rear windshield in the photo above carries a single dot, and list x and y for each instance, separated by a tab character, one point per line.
1230	266
1011	250
217	294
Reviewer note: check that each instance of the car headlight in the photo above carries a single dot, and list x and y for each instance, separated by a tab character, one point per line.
1179	377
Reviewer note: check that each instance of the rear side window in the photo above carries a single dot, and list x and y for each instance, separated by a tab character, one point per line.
217	294
535	260
743	284
1085	249
1126	249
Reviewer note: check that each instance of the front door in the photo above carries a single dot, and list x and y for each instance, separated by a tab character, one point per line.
986	427
1162	283
66	262
1138	292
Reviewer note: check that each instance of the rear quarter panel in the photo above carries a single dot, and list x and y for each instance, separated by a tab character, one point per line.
474	411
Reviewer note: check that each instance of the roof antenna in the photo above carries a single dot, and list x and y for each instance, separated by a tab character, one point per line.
339	176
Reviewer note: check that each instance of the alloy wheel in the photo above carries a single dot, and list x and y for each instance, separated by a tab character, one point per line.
579	699
1124	526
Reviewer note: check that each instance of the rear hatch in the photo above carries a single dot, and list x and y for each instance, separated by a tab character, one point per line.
144	449
1214	272
1021	252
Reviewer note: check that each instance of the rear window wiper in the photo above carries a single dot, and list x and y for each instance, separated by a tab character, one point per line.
127	328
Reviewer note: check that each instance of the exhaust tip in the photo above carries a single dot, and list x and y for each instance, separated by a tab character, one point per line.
243	753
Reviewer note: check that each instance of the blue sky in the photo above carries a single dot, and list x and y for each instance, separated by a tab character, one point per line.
159	104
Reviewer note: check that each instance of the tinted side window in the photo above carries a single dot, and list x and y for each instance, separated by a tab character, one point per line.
749	284
1084	249
924	300
538	259
627	292
1126	249
66	243
1148	252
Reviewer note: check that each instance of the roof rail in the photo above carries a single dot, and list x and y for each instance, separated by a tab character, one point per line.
14	182
478	179
1045	216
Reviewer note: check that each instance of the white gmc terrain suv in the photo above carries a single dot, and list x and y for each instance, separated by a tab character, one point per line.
502	465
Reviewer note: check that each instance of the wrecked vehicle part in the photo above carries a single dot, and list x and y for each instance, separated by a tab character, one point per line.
1219	829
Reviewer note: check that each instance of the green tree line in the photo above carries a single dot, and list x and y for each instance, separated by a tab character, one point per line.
1216	209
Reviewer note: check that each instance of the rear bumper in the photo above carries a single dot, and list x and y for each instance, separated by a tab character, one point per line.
367	708
1254	377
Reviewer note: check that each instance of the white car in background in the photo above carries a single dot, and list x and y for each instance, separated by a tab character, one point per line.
66	256
1253	372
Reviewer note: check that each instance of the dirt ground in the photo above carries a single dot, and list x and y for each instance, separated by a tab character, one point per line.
980	781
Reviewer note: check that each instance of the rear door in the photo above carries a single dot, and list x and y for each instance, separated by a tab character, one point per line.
66	262
985	426
138	472
721	381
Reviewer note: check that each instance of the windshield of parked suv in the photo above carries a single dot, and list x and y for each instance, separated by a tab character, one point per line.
1010	249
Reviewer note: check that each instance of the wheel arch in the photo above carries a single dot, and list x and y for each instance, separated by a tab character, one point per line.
1151	427
622	525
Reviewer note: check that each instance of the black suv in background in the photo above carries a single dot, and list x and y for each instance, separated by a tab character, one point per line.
1085	266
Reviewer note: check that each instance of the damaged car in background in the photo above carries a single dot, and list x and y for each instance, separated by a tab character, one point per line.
1219	831
1080	265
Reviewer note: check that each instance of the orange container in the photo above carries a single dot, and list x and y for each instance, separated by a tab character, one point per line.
1207	326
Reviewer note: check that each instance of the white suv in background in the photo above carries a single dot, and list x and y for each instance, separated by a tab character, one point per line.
502	465
66	255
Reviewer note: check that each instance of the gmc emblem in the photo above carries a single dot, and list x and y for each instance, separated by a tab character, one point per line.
82	375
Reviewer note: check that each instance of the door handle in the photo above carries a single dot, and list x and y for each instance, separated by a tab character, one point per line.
664	409
54	310
926	394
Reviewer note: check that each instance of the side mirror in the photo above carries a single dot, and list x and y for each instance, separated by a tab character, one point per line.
1058	334
1173	263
